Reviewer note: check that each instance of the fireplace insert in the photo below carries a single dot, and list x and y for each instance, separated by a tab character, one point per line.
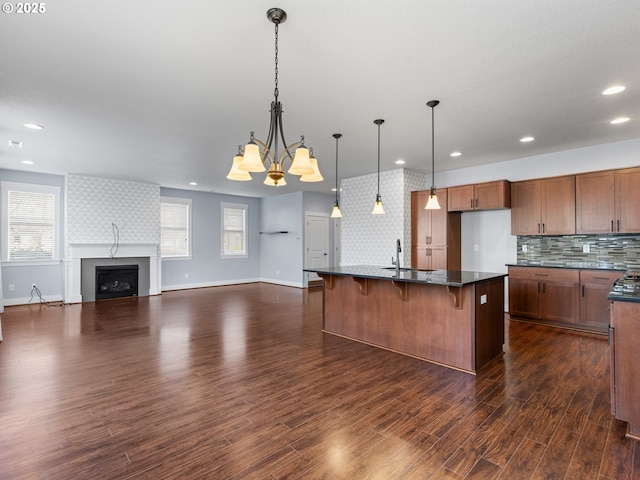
114	281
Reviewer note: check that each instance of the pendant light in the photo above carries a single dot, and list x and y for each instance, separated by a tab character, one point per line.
336	213
432	203
377	207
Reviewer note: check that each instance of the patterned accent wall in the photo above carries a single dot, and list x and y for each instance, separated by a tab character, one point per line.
604	251
92	204
370	239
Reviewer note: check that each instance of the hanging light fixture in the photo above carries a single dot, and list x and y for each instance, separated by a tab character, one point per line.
336	213
258	155
377	207
432	203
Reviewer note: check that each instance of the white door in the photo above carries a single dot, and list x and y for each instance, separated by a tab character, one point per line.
316	237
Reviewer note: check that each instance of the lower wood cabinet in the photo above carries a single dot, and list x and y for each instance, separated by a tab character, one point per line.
595	285
562	296
625	368
544	293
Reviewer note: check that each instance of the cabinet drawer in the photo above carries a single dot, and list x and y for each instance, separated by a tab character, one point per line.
599	277
545	274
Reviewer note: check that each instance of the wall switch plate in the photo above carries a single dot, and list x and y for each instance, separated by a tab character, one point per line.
483	299
12	287
524	248
476	247
586	248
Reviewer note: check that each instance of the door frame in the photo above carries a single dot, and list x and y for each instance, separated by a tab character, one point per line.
325	235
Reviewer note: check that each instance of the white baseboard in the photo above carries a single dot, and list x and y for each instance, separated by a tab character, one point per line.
10	302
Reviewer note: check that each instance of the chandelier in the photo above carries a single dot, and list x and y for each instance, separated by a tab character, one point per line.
258	156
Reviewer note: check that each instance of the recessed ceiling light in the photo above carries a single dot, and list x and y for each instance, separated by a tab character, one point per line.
455	154
613	90
33	126
15	144
615	121
399	162
527	139
193	183
27	162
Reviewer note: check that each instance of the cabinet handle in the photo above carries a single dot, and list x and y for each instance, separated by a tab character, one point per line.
541	274
600	278
583	290
471	202
538	287
618	225
543	228
476	203
612	226
539	228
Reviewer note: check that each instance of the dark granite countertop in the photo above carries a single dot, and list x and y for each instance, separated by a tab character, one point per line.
623	296
452	278
570	265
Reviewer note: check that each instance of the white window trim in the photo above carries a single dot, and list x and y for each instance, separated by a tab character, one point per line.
181	201
36	188
241	206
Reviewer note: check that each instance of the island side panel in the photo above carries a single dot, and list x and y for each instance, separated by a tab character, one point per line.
427	325
489	320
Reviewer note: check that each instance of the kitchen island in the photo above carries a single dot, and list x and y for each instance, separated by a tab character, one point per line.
449	317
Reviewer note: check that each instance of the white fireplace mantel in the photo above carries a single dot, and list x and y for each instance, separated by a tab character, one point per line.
76	252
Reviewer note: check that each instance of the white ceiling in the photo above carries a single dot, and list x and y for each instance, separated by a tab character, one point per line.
165	91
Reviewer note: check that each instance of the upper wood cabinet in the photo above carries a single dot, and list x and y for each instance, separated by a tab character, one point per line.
544	206
480	196
606	202
435	234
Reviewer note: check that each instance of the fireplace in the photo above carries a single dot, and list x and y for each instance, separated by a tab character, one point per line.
114	281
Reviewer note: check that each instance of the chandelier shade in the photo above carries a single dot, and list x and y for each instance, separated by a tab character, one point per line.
261	156
236	173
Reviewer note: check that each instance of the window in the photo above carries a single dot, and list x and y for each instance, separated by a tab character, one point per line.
31	222
234	230
175	227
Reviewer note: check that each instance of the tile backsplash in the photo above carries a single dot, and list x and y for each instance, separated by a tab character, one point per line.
585	251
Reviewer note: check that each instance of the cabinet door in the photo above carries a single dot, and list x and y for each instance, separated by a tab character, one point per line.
420	218
595	210
594	306
526	208
492	195
559	301
559	206
627	200
461	198
421	258
524	297
438	258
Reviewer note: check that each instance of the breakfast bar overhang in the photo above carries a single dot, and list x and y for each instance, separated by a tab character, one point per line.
449	317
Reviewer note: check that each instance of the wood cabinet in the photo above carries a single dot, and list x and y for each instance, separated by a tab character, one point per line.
625	368
544	293
480	196
595	285
435	234
606	202
543	206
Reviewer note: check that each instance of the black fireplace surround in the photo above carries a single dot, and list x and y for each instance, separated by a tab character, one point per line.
114	281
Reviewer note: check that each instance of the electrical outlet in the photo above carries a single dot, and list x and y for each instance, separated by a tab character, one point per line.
476	247
524	248
186	275
586	248
12	287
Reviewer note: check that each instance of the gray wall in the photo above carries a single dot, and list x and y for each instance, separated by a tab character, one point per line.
206	268
47	277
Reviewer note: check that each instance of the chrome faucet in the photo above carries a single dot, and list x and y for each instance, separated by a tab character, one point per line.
396	262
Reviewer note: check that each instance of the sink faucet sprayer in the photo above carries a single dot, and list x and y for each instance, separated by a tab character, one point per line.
396	262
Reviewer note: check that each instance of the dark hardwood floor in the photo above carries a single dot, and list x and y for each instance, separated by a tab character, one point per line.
239	382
